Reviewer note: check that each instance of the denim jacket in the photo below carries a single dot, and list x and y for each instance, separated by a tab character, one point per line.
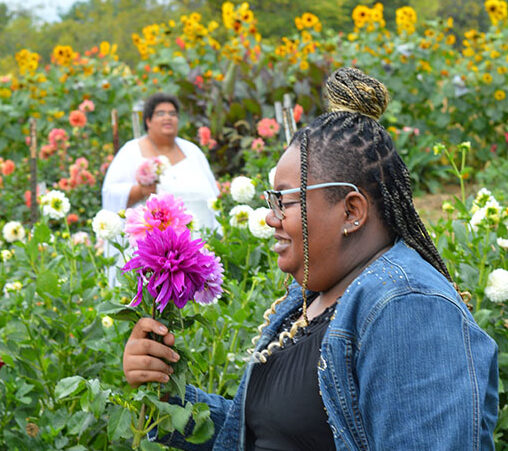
403	366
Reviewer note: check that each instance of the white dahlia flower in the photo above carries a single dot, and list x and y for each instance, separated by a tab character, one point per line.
497	285
239	216
13	231
55	204
107	225
242	189
257	223
502	243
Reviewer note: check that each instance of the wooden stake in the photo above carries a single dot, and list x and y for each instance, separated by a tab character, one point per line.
114	124
34	208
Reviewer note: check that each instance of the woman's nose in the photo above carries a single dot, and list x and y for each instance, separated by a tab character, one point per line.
272	220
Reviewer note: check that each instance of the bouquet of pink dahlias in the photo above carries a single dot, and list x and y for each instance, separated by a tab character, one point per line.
174	266
171	269
149	172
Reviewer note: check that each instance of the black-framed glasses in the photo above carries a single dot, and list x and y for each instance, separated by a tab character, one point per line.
274	198
162	113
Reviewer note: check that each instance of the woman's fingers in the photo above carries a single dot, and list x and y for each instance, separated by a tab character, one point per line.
144	359
137	377
146	325
145	362
145	346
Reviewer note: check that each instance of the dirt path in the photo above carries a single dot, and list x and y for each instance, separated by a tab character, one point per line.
429	205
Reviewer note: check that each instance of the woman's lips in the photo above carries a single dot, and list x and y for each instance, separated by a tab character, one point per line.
281	245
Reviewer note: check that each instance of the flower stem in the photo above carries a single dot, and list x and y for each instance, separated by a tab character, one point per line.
140	430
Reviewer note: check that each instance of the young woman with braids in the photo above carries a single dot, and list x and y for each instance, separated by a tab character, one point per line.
372	347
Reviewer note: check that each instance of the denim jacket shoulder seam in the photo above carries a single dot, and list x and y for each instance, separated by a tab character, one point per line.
379	306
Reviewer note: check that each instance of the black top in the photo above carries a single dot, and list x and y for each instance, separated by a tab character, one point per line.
284	410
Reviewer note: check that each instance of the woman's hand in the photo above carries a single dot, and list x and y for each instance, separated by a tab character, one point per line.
143	358
140	192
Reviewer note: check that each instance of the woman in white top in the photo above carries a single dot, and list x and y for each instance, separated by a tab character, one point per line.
189	177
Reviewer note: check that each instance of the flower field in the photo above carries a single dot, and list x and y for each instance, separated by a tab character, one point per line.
63	328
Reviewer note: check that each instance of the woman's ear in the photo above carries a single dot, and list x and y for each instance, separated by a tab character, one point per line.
356	207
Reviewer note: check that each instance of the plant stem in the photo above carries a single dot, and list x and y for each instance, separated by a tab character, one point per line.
139	432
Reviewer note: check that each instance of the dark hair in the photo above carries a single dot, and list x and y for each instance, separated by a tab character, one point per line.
349	144
154	100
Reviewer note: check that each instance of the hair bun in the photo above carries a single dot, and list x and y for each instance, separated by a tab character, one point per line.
349	89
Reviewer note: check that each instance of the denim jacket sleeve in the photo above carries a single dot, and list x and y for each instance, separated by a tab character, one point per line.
219	407
427	377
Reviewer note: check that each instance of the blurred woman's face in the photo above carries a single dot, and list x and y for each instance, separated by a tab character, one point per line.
325	224
164	120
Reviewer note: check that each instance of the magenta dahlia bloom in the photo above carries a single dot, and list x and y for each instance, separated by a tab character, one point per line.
173	265
160	212
212	289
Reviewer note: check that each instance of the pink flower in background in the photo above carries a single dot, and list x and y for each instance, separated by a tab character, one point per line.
77	118
146	173
150	170
8	167
258	145
81	238
82	163
160	212
173	265
104	166
198	81
63	184
297	112
180	43
267	127
86	106
72	218
212	143
28	140
58	138
47	151
205	135
74	171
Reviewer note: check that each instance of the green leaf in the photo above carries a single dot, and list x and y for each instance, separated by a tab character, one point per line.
503	359
204	428
177	384
180	416
482	317
47	283
79	423
119	423
118	311
151	446
69	386
41	234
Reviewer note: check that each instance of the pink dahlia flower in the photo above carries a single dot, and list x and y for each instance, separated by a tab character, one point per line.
173	265
267	127
205	135
258	145
86	106
297	112
58	138
212	289
146	173
160	212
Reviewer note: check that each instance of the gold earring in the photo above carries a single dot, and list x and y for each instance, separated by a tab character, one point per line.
345	231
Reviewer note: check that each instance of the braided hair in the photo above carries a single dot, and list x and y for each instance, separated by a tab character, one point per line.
348	143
